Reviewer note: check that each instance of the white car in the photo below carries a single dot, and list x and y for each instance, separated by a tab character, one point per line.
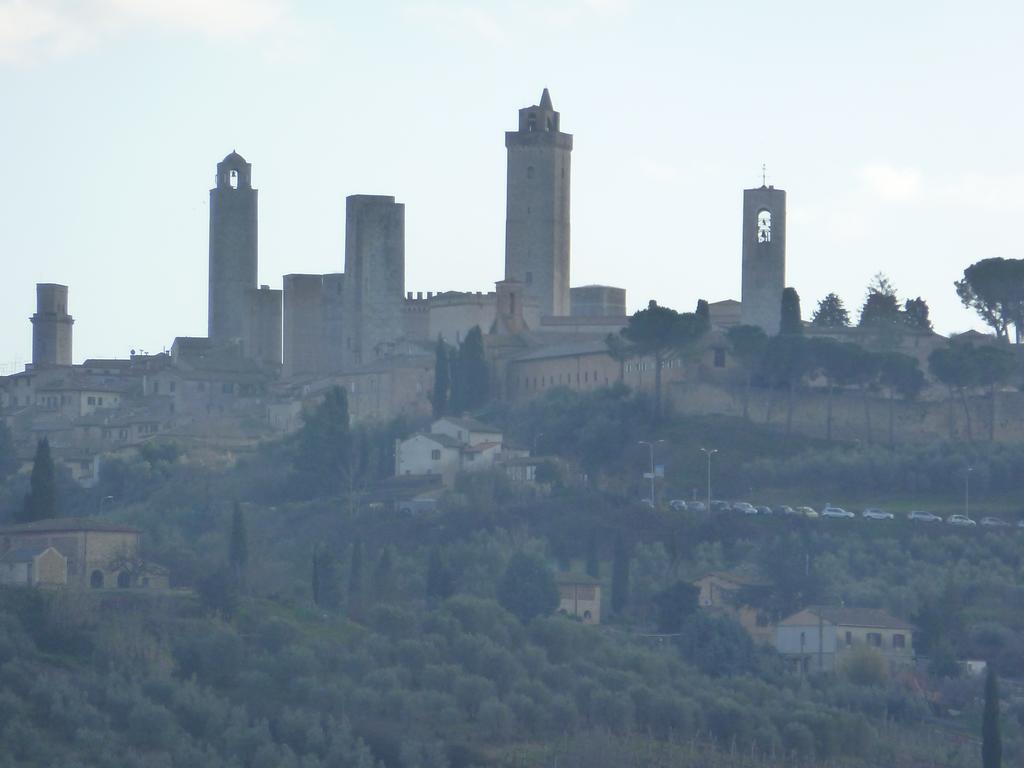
994	522
924	517
873	513
678	505
838	512
745	507
963	520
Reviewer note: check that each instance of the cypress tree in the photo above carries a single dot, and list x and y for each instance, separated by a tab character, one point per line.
593	561
41	499
620	576
384	577
991	741
440	584
355	580
703	313
442	379
238	554
317	594
791	323
471	374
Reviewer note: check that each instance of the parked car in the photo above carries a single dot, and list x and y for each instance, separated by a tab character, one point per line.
838	512
807	512
994	522
784	509
764	510
963	520
874	513
678	505
717	505
695	506
924	517
745	507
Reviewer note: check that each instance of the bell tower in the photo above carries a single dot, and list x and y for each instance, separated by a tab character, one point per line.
233	249
764	257
537	209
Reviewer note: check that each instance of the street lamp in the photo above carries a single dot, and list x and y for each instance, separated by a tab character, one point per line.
967	492
708	452
650	446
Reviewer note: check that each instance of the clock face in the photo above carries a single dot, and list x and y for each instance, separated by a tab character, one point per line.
764	227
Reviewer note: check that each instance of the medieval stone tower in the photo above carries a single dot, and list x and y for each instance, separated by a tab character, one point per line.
374	282
233	251
764	257
51	326
537	210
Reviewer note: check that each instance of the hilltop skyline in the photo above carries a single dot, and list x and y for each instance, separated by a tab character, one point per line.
904	161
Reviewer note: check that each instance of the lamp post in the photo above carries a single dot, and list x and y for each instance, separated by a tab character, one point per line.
650	445
967	492
708	452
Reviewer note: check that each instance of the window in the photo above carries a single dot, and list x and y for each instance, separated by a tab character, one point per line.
99	401
529	277
156	387
532	122
171	385
849	637
435	454
875	639
124	580
764	226
899	641
96	580
91	400
233	179
719	357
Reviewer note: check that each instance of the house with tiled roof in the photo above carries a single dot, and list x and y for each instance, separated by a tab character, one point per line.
817	638
454	444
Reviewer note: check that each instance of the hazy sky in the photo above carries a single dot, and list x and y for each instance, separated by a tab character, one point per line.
896	129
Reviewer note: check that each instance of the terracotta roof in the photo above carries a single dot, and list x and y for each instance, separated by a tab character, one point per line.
853	617
469	424
23	554
69	525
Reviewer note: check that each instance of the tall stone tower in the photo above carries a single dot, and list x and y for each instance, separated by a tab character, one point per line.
51	326
233	251
537	209
764	257
374	282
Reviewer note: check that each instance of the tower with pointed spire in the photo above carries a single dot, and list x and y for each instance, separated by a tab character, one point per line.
537	210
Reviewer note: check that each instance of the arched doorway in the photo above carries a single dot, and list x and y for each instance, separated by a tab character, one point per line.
96	580
124	580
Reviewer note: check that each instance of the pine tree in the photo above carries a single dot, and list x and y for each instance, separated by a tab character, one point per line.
442	379
620	577
238	554
41	500
916	314
831	313
991	741
791	324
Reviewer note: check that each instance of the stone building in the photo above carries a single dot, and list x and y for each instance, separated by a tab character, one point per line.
239	311
817	639
764	257
579	596
537	210
99	553
51	326
38	566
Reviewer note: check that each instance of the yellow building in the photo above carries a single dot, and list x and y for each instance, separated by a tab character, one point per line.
99	553
38	566
580	597
720	592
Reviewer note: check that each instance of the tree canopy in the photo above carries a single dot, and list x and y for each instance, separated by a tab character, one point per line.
994	288
831	313
791	322
41	499
528	588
